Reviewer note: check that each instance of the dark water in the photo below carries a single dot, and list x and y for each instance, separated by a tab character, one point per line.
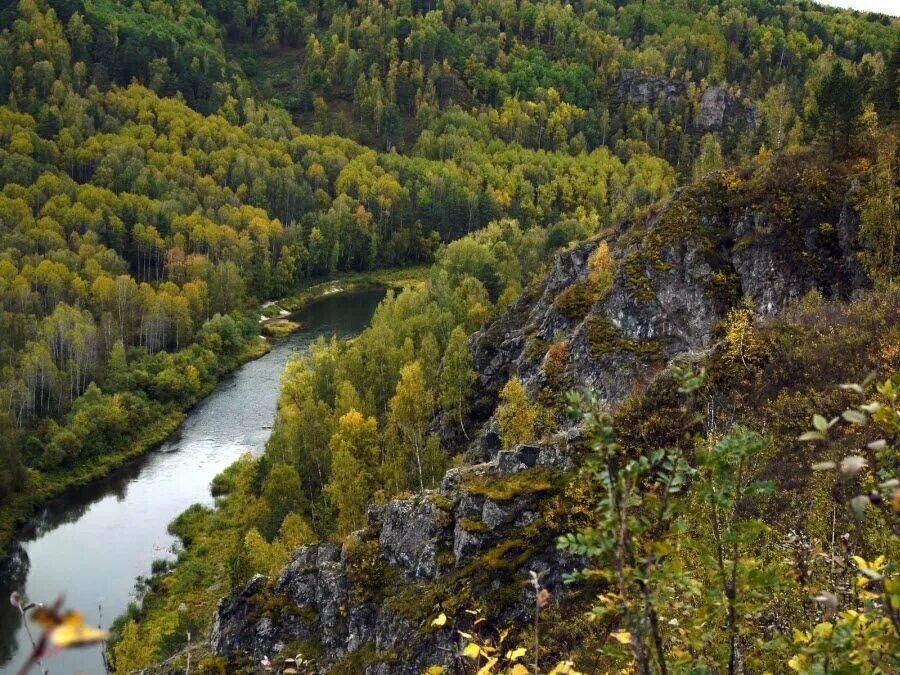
91	544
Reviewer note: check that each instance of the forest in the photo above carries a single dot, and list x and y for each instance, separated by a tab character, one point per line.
167	166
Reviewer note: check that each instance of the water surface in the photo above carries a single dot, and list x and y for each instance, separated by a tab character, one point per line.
92	543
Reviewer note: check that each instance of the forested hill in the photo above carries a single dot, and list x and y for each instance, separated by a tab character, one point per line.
708	332
133	226
632	75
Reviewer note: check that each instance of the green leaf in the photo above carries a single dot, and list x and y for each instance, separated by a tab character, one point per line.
855	417
811	436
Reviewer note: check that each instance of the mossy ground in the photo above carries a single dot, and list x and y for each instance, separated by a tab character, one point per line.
503	488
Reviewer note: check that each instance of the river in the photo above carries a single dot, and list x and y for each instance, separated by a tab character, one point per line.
91	544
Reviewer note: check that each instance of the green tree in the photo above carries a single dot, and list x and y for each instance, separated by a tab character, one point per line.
457	377
838	104
878	212
410	412
517	416
281	495
349	489
709	157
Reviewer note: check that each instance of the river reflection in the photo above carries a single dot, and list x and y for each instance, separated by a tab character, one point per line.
93	542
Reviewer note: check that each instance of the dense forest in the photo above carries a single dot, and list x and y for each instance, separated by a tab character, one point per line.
167	166
134	227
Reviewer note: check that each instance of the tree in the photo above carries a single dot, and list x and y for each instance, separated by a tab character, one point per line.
281	495
12	470
838	103
517	415
354	460
348	489
457	377
434	461
878	213
131	652
410	412
359	436
295	531
709	158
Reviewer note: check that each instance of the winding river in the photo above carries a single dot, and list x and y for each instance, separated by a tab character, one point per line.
91	544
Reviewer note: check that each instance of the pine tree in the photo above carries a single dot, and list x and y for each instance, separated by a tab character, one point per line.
838	103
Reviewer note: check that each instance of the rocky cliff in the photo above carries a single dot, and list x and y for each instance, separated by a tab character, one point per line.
717	110
368	604
759	237
611	314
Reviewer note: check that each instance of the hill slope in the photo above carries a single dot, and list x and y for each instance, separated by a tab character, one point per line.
747	249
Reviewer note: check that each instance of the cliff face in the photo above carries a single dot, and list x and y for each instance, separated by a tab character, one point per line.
610	314
718	110
368	604
760	237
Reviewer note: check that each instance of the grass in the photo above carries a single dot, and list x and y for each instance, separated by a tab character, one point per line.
500	488
279	328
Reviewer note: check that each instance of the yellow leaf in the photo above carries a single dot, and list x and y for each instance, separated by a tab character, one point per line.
73	631
488	667
472	651
440	620
46	617
435	670
800	638
623	636
797	663
564	668
517	653
823	630
518	669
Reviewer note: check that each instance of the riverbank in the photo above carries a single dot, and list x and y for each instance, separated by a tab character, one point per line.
92	543
394	278
42	487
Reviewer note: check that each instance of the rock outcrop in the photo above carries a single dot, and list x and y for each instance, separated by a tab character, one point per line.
369	604
642	89
720	110
757	237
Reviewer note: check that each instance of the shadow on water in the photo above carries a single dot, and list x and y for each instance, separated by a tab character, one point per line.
93	541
